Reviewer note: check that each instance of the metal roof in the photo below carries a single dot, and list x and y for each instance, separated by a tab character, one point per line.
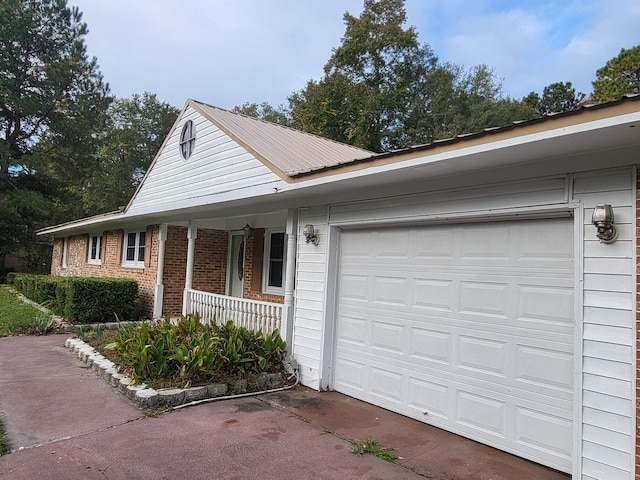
291	151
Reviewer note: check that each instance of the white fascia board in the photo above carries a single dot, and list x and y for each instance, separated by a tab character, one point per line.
83	225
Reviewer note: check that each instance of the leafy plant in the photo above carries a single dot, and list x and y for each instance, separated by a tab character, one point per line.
189	351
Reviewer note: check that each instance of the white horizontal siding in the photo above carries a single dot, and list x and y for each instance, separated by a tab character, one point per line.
510	195
218	165
608	280
311	266
608	377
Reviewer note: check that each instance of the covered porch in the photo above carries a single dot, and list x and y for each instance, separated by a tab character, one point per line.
238	269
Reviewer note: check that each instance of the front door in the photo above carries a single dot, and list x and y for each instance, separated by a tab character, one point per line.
236	266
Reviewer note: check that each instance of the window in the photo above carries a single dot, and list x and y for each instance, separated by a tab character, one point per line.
94	249
274	262
187	139
133	255
65	252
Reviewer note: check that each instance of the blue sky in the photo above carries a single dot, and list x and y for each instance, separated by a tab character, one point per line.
227	53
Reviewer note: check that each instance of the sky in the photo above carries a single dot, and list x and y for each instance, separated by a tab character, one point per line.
228	52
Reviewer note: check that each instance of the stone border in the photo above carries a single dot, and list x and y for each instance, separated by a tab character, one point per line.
147	397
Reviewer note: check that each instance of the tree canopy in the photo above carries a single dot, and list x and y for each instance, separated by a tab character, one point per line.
620	76
52	98
382	90
134	132
556	97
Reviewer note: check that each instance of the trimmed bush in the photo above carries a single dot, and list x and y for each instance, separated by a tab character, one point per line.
82	299
90	300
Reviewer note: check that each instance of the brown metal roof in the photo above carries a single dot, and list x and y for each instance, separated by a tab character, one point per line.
288	150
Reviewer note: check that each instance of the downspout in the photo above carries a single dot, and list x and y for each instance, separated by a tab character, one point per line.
192	234
289	282
158	296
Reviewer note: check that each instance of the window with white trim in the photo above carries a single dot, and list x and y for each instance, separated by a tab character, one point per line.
133	249
274	260
94	249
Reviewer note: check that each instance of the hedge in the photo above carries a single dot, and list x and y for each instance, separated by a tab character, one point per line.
81	299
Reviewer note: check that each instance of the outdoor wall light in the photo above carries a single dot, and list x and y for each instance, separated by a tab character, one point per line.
310	234
247	230
603	220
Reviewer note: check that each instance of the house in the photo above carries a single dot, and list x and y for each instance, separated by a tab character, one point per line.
460	283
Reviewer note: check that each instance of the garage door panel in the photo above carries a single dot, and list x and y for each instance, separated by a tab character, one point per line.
483	355
484	298
481	412
544	367
432	398
543	432
546	305
391	291
388	336
431	345
466	327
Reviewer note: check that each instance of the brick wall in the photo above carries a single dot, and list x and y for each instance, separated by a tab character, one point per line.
253	289
209	273
111	265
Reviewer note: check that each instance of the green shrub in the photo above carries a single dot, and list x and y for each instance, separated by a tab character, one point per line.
95	300
81	299
11	275
190	351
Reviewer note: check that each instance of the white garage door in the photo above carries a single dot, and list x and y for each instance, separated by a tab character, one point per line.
467	327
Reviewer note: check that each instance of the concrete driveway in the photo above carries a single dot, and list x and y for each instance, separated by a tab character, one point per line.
65	423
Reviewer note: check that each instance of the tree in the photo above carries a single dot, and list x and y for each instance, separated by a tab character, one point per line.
135	131
382	90
370	80
620	76
264	111
556	98
52	99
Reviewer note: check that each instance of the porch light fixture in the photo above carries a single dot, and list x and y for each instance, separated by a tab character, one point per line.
310	234
603	220
247	230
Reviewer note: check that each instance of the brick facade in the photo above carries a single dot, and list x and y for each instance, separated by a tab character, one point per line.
209	273
111	264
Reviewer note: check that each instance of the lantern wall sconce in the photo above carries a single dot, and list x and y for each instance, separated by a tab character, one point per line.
310	234
246	230
603	220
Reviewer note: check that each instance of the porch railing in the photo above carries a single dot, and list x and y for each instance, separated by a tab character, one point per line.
251	314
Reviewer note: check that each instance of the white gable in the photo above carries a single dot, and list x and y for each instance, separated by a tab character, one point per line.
219	168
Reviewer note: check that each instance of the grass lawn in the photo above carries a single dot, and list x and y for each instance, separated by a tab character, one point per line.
18	317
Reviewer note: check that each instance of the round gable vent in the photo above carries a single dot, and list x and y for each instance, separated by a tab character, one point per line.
187	139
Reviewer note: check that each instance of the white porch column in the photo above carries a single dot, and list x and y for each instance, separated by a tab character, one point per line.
158	296
192	234
286	330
